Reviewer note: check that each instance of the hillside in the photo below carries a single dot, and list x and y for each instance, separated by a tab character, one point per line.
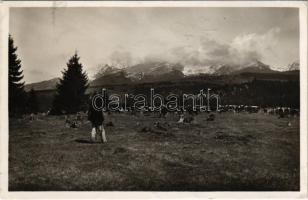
43	85
118	77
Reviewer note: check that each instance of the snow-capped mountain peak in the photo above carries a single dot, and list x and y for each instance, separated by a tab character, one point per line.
293	66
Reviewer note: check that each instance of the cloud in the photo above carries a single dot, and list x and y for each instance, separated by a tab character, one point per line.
243	49
120	59
205	52
249	47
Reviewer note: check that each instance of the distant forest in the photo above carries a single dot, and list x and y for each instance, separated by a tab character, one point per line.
255	92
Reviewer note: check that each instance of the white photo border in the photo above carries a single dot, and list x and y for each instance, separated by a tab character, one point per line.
4	30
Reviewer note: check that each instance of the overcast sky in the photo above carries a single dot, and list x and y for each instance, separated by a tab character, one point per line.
47	37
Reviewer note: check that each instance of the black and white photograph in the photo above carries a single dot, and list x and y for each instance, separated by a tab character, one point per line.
155	98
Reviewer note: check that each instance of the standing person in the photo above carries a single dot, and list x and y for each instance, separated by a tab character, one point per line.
96	117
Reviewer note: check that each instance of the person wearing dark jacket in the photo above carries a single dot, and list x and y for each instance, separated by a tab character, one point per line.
96	117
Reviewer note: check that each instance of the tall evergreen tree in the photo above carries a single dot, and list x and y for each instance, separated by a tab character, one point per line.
32	102
16	86
70	96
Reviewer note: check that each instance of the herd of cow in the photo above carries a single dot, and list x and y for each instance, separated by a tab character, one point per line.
280	111
188	116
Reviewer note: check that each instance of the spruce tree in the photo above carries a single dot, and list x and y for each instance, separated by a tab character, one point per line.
32	102
16	86
71	89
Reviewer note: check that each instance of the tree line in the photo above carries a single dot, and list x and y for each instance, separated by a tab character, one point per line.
70	97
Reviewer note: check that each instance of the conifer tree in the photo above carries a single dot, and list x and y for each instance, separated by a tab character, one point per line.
16	86
71	88
32	102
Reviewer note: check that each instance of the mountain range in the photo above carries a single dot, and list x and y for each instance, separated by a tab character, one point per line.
43	85
163	71
294	66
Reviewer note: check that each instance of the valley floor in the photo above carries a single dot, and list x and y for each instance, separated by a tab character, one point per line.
235	152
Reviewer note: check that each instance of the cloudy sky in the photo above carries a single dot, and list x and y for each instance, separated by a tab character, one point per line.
195	37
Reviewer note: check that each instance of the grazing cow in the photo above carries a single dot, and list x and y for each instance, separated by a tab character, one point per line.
294	112
32	117
163	112
73	124
67	121
280	113
159	126
109	124
264	110
70	123
271	111
181	120
188	119
211	117
78	116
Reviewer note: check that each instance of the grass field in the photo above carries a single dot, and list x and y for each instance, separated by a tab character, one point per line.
236	152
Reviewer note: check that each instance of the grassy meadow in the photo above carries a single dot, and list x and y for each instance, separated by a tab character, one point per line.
235	152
